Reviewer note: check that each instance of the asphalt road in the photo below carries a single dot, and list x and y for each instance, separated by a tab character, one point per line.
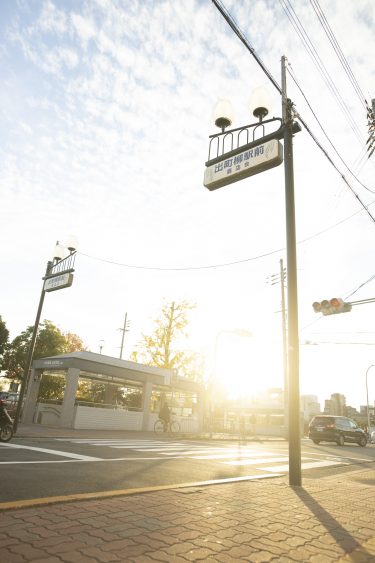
44	467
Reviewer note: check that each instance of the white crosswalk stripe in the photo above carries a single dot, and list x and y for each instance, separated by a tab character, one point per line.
269	461
308	465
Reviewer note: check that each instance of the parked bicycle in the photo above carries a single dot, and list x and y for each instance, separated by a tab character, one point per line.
161	426
6	423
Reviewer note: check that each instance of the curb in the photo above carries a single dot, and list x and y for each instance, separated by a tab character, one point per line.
29	503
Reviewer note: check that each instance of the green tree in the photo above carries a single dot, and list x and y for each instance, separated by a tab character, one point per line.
160	348
50	342
91	391
132	398
4	336
51	387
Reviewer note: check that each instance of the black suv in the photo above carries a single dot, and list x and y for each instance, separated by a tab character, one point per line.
339	429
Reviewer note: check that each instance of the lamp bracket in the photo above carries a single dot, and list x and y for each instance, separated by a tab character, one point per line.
223	140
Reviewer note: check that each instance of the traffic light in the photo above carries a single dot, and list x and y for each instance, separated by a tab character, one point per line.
332	307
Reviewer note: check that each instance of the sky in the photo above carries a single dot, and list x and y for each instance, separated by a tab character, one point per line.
105	111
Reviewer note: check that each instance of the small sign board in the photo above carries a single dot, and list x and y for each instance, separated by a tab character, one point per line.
244	164
58	282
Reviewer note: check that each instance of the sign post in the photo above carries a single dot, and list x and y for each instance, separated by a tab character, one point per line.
247	159
59	274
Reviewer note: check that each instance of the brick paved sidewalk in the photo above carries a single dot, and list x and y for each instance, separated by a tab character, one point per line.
326	520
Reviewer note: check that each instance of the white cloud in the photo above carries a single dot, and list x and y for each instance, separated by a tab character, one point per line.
109	107
51	19
84	27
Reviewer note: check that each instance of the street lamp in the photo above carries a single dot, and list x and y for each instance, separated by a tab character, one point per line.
101	345
368	409
59	274
237	154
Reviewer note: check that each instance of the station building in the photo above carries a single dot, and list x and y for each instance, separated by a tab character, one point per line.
130	399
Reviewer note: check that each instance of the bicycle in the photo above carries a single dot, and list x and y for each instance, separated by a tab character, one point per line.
161	426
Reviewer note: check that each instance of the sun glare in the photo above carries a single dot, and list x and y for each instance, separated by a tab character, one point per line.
244	367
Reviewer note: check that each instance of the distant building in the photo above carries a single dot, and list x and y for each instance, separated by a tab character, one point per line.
351	412
273	396
363	410
309	406
336	405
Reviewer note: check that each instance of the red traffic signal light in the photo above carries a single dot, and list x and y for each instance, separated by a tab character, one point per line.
317	306
332	307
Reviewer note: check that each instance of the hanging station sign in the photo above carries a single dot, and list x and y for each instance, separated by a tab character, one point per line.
58	282
247	163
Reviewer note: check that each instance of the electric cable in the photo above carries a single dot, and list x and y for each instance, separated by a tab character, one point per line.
294	78
309	46
335	167
360	286
228	18
336	47
224	264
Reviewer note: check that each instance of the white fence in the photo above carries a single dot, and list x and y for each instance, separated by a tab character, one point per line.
92	418
99	418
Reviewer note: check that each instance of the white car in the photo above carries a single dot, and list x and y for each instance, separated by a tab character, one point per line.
372	437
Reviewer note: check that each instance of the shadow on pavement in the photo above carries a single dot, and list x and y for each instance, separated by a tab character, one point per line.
341	536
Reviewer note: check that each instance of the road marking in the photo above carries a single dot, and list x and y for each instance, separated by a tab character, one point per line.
343	458
237	454
157	448
234	456
52	452
194	451
100	441
255	461
80	460
311	465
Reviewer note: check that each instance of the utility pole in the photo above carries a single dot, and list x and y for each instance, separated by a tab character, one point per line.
371	128
123	330
273	280
285	350
294	433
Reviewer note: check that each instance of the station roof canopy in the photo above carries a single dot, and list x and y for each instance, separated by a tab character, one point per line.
102	367
108	369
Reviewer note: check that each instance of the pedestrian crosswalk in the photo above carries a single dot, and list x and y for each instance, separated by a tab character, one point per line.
231	455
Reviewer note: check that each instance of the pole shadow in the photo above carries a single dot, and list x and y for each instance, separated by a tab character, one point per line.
340	534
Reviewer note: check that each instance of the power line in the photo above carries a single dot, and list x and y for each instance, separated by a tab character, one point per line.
360	286
336	47
314	55
228	18
223	264
243	39
292	74
183	268
365	207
